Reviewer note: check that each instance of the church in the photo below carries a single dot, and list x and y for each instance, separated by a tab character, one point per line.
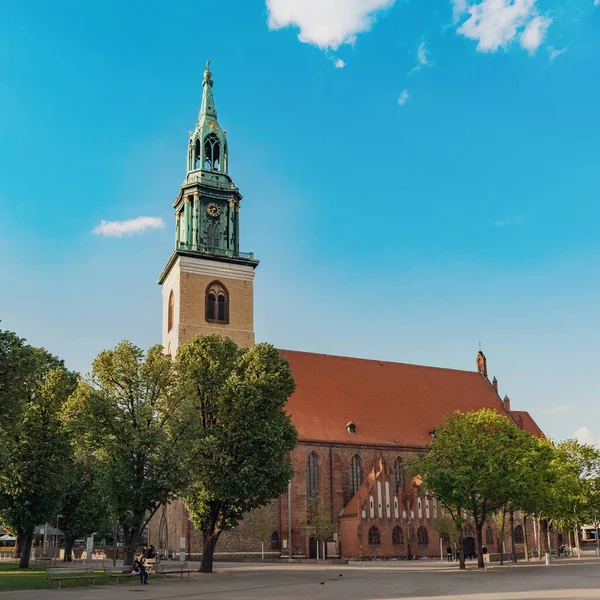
348	456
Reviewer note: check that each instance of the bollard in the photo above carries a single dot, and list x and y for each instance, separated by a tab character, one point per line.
547	558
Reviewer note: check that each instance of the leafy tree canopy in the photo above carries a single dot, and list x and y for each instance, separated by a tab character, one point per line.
126	415
473	463
238	433
34	452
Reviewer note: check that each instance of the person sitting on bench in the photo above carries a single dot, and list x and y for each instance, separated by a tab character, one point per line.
140	567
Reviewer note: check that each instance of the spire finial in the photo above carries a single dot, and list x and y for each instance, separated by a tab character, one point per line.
207	73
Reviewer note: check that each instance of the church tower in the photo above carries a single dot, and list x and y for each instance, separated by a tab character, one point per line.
207	284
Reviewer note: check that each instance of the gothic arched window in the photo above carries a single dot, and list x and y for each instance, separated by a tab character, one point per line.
312	479
197	164
374	538
518	534
397	535
212	152
355	475
398	474
422	537
489	536
170	311
163	533
217	303
213	235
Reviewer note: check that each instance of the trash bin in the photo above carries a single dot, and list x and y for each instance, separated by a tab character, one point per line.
547	558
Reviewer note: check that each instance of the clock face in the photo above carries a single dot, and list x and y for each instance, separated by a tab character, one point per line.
213	210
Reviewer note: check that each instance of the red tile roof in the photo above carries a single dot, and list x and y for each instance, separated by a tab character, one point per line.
386	401
524	420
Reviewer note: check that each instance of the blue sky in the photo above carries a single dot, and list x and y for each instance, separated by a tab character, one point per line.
418	176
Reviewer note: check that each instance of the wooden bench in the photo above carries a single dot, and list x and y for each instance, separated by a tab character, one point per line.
61	574
124	572
165	569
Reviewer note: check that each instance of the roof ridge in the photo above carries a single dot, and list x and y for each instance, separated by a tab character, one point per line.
375	360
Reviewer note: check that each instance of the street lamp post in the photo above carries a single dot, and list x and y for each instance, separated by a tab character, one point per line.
597	540
56	535
409	522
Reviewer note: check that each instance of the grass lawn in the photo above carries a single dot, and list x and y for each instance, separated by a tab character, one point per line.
34	578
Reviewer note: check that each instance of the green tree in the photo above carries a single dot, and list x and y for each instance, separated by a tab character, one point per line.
530	488
445	527
36	451
574	493
319	523
261	527
84	508
126	415
239	435
472	463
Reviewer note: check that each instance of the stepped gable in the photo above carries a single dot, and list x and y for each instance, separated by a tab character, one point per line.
386	401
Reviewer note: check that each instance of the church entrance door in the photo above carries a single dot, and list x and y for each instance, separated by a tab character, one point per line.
312	548
469	545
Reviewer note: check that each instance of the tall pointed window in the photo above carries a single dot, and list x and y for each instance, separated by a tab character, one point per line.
213	234
374	538
355	475
197	164
422	537
519	534
312	479
397	535
398	474
217	303
212	152
170	311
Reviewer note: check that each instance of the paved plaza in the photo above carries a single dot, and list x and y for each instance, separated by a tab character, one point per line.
572	579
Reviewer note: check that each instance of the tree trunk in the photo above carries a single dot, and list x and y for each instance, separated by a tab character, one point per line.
131	539
479	528
69	542
576	534
525	544
546	542
513	547
18	546
461	549
209	542
26	541
502	538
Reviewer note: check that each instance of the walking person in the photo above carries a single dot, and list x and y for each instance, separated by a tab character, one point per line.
449	554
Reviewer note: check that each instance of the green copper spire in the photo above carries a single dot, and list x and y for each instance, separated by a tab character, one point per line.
207	150
207	109
207	209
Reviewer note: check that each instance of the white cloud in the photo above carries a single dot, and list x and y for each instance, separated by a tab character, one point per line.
326	24
495	24
509	222
422	58
339	64
584	436
534	33
130	227
558	410
459	8
596	2
555	53
403	98
422	54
